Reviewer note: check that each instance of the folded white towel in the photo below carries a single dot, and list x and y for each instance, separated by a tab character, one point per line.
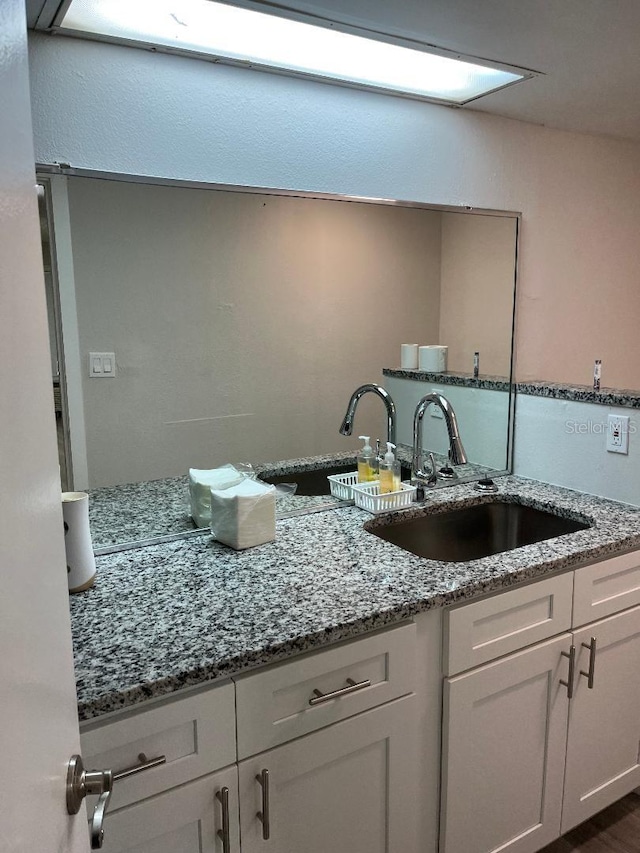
200	484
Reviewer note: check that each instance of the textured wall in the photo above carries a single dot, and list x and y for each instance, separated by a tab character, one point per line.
121	109
241	323
476	309
563	442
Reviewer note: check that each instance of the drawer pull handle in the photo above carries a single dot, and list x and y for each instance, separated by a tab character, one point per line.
145	764
571	654
352	686
590	675
223	797
263	816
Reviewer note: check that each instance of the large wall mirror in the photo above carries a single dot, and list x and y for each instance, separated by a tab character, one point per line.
242	320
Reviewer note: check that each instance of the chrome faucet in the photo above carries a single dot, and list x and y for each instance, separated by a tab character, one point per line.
457	455
347	423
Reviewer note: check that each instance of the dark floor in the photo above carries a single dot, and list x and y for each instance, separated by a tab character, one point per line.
615	830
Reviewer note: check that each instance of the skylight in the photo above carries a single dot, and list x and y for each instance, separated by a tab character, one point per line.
245	36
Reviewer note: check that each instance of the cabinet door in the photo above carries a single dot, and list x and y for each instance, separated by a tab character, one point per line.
604	722
503	752
349	788
183	820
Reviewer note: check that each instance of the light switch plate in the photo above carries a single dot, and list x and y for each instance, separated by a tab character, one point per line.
102	365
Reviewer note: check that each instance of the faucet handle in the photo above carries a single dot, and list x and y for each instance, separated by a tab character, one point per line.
433	476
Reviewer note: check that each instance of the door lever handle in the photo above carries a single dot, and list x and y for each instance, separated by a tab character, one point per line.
80	783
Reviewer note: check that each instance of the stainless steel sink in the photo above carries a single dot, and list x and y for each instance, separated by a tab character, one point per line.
477	531
315	482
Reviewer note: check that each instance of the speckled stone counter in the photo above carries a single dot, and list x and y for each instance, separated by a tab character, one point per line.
624	397
186	612
137	511
464	380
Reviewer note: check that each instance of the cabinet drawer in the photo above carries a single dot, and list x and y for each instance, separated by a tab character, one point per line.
487	629
196	734
185	820
606	588
273	706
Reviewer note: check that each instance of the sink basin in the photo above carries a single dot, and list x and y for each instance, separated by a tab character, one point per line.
315	482
477	531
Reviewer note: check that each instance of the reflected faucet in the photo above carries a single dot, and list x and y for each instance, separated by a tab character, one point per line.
457	455
347	423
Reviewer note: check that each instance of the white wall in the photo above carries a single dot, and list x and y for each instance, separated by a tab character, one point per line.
483	419
478	280
563	442
121	109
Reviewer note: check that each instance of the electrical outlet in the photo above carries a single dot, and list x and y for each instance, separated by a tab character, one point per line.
618	434
435	411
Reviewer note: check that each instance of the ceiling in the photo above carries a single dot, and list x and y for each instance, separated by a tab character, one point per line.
587	50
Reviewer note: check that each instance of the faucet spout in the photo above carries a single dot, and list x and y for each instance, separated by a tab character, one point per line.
346	427
457	453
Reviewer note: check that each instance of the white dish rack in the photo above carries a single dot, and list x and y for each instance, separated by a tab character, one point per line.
341	485
367	496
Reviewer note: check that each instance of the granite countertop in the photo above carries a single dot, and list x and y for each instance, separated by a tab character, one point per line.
190	611
143	513
135	512
447	377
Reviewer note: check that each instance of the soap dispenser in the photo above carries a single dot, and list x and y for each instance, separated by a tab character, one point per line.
389	471
367	464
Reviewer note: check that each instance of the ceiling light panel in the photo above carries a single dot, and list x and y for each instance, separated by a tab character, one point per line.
242	35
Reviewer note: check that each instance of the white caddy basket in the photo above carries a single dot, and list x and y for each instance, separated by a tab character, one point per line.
367	496
341	484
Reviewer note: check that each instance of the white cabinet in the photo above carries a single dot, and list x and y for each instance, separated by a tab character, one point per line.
348	788
281	702
349	736
335	729
523	762
504	744
603	762
194	735
187	819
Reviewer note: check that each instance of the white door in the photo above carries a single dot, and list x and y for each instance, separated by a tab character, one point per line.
39	730
504	744
604	721
347	788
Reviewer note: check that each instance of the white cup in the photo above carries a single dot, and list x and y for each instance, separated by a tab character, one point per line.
432	358
409	356
81	563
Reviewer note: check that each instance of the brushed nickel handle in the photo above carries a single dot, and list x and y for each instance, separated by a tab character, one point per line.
80	783
590	674
97	820
223	797
571	654
145	764
263	816
352	686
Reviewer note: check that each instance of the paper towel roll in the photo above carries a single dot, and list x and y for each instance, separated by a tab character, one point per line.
433	359
409	356
81	563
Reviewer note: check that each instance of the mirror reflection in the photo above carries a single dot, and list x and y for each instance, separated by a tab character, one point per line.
237	324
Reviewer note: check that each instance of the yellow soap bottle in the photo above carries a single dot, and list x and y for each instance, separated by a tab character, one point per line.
367	464
389	471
